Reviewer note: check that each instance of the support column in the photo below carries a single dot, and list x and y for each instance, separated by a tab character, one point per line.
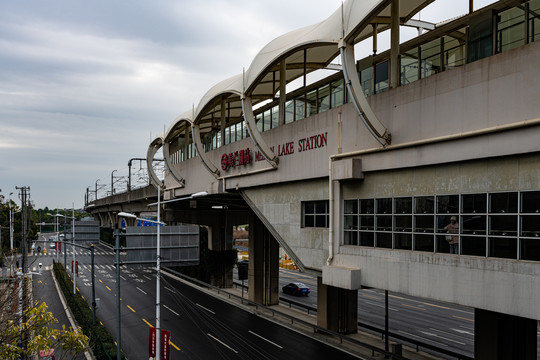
337	309
263	272
219	240
500	336
395	65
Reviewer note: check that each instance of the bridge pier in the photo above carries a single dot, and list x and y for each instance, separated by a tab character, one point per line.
500	336
337	308
220	239
263	271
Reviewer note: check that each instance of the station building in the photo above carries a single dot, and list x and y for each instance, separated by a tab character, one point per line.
358	175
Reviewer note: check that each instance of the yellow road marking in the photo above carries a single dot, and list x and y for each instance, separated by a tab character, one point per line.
176	347
147	323
130	308
459	317
101	323
82	296
442	307
76	287
108	288
100	281
373	297
414	307
397	297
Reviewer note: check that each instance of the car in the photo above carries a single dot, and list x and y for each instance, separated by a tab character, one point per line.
296	288
53	246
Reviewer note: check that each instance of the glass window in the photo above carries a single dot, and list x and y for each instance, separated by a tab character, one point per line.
403	241
311	103
227	135
424	223
473	245
384	206
424	204
504	225
381	77
473	203
351	207
409	66
350	238
267	120
530	249
337	93
384	222
454	49
530	202
351	222
323	101
367	206
503	247
384	240
534	21
448	204
367	238
245	132
510	29
530	225
503	202
275	116
479	43
367	222
289	112
366	79
299	108
403	223
403	205
423	243
315	213
431	58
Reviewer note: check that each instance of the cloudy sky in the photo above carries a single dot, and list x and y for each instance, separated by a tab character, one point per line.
84	85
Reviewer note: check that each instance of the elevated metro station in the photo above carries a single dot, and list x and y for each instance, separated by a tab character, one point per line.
414	170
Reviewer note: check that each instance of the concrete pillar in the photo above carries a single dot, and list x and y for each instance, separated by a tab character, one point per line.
500	336
337	309
263	271
220	239
395	66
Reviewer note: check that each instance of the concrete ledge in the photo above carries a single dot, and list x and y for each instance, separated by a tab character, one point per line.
341	277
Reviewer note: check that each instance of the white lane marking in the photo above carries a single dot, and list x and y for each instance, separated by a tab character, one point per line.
210	311
141	290
147	277
171	290
123	278
378	305
421	337
463	331
265	339
221	342
441	337
171	310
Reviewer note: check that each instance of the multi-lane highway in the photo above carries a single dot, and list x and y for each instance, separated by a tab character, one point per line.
201	326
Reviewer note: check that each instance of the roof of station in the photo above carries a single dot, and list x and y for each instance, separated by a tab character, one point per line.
304	50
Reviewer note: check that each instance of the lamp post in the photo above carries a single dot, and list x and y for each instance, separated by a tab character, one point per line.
158	272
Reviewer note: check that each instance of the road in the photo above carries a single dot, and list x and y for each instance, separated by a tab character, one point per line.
202	326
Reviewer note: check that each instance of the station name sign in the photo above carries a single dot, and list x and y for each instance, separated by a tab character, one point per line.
243	157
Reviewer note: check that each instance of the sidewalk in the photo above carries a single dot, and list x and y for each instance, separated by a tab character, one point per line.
273	313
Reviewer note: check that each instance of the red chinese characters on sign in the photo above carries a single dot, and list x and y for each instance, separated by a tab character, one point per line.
234	159
152	342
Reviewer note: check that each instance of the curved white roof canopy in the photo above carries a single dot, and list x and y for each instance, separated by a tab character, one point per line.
303	51
154	146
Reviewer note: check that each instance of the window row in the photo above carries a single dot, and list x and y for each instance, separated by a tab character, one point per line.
505	224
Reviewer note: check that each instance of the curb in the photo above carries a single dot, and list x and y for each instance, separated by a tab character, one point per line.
87	353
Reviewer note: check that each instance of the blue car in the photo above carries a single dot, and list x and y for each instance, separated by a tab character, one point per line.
296	289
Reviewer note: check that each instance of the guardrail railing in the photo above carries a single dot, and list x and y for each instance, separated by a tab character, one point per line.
415	343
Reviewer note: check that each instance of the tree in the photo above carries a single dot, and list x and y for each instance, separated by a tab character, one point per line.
34	325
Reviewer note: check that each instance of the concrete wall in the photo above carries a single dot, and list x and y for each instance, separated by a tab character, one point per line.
281	204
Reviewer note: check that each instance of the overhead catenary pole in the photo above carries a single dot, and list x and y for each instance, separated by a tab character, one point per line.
118	312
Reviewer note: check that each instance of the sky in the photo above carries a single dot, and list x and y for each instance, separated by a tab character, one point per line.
85	85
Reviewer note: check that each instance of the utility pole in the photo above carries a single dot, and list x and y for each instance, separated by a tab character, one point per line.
24	195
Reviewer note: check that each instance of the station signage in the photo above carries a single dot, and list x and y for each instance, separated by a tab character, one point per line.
243	157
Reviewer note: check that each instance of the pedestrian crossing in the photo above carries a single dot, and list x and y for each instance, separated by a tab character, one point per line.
77	253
